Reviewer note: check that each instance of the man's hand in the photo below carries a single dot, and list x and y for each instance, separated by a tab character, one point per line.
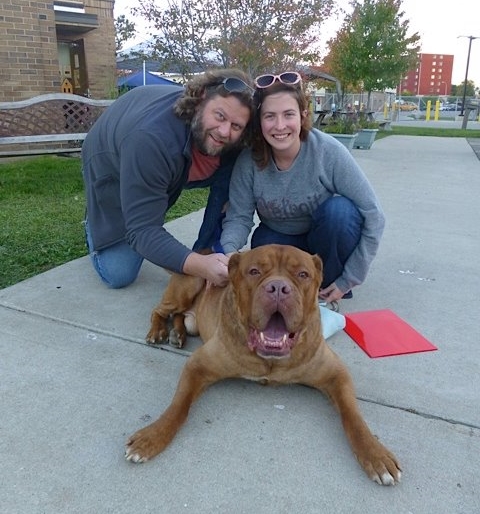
213	267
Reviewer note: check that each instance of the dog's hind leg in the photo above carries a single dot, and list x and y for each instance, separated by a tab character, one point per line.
178	334
179	297
158	332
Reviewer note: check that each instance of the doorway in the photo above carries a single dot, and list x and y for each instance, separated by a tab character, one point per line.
73	69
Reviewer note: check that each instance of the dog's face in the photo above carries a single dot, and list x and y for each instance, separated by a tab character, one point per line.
276	289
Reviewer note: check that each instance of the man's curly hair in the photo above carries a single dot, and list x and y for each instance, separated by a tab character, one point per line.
202	87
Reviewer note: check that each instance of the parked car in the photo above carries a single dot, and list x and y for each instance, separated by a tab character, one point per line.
408	106
450	107
405	106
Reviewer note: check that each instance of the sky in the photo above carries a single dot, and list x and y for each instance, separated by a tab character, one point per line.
439	27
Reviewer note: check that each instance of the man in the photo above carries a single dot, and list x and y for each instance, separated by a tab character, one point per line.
145	148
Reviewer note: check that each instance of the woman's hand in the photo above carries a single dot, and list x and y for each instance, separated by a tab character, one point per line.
331	293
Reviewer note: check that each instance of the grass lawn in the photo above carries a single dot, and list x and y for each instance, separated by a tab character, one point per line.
398	130
42	206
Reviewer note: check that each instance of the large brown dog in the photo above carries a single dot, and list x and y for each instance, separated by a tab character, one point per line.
264	326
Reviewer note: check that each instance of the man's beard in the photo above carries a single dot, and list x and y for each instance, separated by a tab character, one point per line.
201	137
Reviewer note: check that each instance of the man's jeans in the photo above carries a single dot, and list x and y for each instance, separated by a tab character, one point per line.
336	230
118	265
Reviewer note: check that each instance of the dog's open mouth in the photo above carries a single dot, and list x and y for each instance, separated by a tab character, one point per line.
274	341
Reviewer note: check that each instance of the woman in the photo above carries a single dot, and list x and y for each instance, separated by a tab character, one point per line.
306	188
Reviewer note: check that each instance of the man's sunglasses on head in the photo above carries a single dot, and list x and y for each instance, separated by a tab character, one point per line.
234	85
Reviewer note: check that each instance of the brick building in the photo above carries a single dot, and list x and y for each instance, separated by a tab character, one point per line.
432	76
54	46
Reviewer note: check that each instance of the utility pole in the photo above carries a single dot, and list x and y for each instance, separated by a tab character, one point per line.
471	38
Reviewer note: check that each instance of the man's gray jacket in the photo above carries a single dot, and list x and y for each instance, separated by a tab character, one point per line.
136	160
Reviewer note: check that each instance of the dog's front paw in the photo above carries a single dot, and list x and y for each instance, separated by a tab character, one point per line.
380	465
143	446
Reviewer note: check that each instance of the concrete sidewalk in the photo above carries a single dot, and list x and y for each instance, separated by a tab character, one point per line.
77	379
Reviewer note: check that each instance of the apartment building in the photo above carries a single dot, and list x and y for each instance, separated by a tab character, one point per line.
56	46
431	77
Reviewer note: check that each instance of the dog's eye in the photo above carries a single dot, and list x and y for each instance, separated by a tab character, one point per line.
303	274
253	272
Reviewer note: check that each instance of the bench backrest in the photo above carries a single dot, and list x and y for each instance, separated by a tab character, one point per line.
55	118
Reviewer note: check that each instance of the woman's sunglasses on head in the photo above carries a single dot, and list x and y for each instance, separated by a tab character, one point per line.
289	78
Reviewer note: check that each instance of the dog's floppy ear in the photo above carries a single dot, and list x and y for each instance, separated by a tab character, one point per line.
318	264
233	263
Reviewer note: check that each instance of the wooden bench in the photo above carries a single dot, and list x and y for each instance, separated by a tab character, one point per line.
53	123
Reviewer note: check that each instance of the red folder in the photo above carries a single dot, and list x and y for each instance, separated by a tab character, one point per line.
382	333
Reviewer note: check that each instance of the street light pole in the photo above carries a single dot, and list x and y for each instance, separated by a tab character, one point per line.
471	38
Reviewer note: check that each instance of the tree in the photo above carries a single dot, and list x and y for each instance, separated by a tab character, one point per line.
124	30
254	35
372	50
458	90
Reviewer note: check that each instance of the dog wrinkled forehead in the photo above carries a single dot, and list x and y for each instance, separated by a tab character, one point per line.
273	256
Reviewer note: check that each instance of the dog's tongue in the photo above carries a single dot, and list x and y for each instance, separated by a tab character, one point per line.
276	327
274	341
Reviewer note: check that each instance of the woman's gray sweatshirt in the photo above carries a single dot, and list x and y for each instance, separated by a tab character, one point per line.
285	200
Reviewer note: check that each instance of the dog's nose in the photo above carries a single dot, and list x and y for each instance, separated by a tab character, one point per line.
278	288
